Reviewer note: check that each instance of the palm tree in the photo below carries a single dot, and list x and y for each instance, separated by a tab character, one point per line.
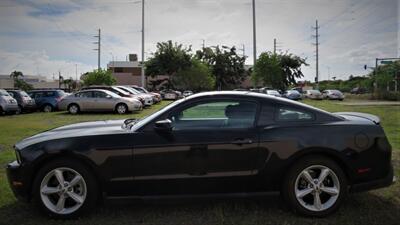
16	75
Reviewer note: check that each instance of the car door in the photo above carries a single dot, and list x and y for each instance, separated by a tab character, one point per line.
39	97
212	147
101	102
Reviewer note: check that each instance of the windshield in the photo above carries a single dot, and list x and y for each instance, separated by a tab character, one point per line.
4	93
121	91
24	94
150	117
142	90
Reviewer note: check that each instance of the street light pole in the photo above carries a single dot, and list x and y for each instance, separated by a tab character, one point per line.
254	34
142	69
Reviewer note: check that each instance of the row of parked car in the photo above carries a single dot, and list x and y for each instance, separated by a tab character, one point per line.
295	94
121	99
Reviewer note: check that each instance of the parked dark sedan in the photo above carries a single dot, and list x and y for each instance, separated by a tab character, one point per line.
218	143
25	102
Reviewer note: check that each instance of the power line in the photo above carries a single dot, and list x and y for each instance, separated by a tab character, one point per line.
316	51
98	49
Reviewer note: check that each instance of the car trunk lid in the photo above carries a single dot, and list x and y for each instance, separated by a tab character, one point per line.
367	116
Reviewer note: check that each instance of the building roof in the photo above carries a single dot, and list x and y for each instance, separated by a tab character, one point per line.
125	64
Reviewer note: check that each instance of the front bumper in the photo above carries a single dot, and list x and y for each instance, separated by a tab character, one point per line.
17	181
10	108
375	184
29	107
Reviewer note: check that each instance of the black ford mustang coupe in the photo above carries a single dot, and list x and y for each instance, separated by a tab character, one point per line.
214	143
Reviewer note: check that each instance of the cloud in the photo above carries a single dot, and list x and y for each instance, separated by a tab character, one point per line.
60	32
39	63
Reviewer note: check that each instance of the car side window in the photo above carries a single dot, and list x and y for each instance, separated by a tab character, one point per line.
49	94
293	115
266	116
215	115
99	94
86	94
38	95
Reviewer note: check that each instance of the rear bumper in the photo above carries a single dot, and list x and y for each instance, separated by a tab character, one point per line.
375	184
17	182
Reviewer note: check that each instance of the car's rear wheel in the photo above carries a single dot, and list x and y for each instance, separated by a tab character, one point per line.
65	189
73	109
121	108
47	108
315	186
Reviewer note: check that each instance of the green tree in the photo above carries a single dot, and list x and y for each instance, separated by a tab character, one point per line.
278	70
16	75
168	59
98	77
196	78
19	83
226	65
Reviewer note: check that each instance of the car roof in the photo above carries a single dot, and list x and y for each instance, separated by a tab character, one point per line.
280	100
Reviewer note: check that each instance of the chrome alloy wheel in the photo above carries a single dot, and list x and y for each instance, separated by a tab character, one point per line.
121	109
73	109
317	188
63	190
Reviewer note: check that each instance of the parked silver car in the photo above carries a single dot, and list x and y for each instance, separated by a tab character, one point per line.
313	94
147	98
333	95
98	100
7	103
273	93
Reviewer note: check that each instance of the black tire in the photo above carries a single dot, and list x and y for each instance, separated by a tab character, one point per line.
47	108
88	177
71	108
1	111
20	109
289	185
123	105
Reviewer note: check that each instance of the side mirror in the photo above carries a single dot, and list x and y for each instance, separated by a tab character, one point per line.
163	125
108	96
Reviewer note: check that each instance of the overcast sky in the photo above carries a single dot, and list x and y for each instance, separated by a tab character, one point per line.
47	36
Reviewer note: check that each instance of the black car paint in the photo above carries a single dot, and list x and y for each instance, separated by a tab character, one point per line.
146	162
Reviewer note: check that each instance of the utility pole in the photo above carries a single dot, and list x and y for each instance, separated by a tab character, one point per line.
274	45
98	36
142	71
254	34
59	79
204	43
243	49
76	72
316	53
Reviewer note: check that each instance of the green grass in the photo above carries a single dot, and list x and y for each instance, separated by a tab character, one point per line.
375	207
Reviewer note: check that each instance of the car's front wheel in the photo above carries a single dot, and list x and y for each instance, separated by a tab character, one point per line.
315	186
65	189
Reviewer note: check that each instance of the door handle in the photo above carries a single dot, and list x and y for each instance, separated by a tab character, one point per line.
242	141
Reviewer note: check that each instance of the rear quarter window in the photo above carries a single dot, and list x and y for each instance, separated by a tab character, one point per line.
287	114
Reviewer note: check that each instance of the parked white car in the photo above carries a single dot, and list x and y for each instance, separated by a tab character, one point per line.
273	93
313	94
333	95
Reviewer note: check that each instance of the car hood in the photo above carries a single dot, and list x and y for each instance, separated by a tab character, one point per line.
75	130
